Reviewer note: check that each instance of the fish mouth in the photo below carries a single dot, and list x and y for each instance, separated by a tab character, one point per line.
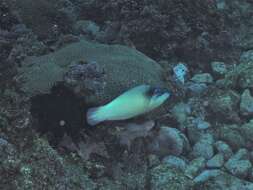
161	96
158	99
165	95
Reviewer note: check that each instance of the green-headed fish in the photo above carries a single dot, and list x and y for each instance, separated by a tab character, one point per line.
131	103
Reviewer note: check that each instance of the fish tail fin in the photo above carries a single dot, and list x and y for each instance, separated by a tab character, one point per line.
94	116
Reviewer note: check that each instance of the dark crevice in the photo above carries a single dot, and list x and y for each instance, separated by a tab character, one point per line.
59	112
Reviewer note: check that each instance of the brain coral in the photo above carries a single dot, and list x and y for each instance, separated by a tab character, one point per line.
124	68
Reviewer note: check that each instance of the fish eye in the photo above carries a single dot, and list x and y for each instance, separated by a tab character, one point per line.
158	91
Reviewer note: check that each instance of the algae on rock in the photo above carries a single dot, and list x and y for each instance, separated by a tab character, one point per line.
240	77
163	177
225	181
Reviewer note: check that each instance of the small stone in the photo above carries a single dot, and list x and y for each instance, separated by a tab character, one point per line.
193	134
180	70
223	149
241	154
201	124
180	111
62	123
232	136
247	56
175	162
239	168
221	4
219	68
202	78
194	167
196	88
242	75
206	175
3	143
224	104
246	131
238	165
216	162
246	104
204	147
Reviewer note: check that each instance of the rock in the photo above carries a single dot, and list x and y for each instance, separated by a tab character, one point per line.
59	173
224	105
175	162
46	18
239	168
20	29
201	124
241	76
221	4
239	165
168	141
180	111
202	78
194	167
8	157
206	175
204	147
163	177
232	136
223	149
226	182
216	162
193	133
196	88
246	56
245	79
246	131
3	143
180	70
86	27
241	154
219	68
246	41
246	104
132	131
